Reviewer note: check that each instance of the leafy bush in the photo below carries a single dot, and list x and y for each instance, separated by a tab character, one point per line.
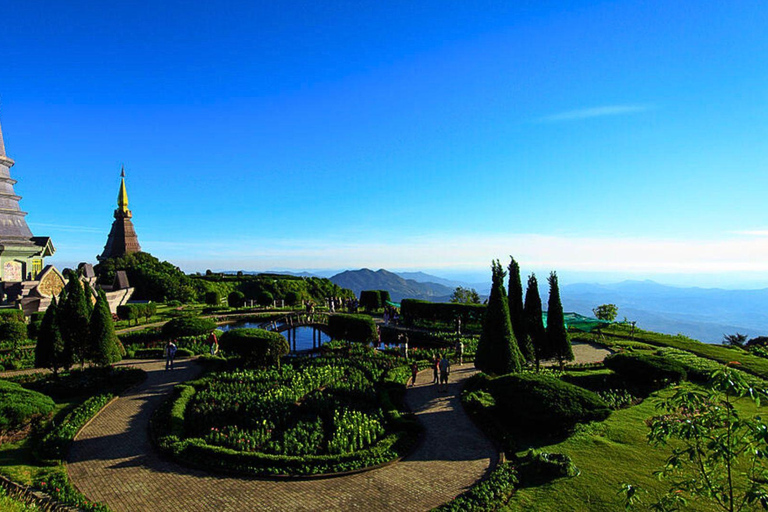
645	369
213	298
11	315
359	328
55	443
292	298
545	404
76	383
257	347
486	495
370	300
19	405
187	326
538	467
265	299
58	487
413	310
236	299
14	333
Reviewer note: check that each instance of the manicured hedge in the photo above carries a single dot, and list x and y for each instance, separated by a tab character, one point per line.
13	332
370	300
412	310
187	326
19	405
55	443
544	404
158	353
257	347
642	368
11	315
359	328
136	311
488	494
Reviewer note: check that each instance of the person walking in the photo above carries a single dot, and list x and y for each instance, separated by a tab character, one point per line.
170	354
435	369
460	351
414	372
445	368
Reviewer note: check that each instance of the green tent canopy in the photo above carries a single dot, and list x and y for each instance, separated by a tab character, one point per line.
579	322
393	304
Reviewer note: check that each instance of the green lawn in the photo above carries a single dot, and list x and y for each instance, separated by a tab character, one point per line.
9	504
608	454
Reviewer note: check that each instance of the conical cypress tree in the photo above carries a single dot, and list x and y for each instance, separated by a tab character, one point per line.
516	314
74	316
104	342
557	335
497	350
534	325
50	351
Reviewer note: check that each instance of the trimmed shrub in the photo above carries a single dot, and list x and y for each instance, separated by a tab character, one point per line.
412	310
11	315
359	328
384	297
236	299
187	326
13	332
265	299
488	494
545	404
213	298
540	467
257	347
18	405
370	300
292	298
33	327
645	369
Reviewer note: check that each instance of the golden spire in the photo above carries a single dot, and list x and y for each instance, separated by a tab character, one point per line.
122	196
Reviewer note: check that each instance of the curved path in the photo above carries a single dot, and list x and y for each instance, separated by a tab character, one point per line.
112	460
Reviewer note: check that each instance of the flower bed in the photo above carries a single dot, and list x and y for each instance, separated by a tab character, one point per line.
329	414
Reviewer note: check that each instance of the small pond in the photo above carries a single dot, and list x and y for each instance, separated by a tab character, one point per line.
301	342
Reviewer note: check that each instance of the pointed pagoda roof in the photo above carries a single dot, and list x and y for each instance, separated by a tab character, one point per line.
2	144
122	237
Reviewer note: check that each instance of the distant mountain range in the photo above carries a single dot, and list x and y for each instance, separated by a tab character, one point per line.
398	287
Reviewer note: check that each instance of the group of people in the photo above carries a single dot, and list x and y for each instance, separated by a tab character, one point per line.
169	352
441	367
391	315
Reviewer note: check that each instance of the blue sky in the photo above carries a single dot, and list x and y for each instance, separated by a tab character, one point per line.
602	139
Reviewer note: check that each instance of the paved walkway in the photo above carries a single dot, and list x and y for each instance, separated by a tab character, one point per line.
112	461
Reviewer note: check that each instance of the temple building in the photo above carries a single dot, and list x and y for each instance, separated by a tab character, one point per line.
24	279
122	237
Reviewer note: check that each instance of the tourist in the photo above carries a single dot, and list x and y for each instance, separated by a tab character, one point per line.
214	342
460	351
414	372
170	354
445	368
435	369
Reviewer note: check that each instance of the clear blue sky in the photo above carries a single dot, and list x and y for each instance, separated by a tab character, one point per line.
603	139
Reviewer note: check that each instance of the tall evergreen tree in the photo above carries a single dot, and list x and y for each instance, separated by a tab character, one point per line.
497	350
557	334
50	351
534	325
74	315
105	348
516	314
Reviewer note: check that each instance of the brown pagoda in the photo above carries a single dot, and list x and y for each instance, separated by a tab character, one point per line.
122	238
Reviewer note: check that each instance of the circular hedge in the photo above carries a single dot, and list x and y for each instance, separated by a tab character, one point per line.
187	326
257	347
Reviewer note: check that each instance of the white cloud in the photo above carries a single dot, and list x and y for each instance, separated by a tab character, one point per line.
591	112
757	232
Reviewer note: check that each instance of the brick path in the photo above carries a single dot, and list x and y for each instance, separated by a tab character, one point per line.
112	461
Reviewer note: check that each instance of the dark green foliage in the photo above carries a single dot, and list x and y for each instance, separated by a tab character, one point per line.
187	326
11	315
643	369
127	312
606	312
265	299
104	343
413	310
310	288
152	279
557	335
463	295
51	351
534	325
13	333
537	468
19	405
359	328
370	300
543	404
384	297
516	312
74	314
488	494
33	328
213	298
236	299
57	486
497	350
55	443
292	298
257	347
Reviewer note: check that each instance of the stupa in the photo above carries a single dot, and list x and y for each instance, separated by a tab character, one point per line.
122	237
